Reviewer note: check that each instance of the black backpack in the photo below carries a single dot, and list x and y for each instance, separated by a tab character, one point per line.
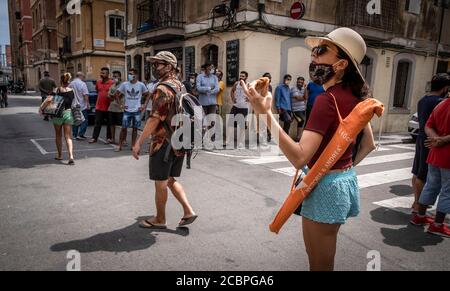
189	106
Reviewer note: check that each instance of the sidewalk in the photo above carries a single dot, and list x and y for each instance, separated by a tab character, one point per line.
394	138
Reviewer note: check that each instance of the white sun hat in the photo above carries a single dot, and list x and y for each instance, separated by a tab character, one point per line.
346	39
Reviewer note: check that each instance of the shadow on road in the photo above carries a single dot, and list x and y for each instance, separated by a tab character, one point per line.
410	238
401	190
129	239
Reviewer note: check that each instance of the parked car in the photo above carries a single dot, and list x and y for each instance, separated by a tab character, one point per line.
92	99
413	126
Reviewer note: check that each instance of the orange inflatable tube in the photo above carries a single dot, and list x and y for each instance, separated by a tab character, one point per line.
346	133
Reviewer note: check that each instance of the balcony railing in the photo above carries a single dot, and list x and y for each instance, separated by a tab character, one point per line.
354	13
160	14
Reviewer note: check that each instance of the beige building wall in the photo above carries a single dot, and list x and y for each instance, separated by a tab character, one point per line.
92	47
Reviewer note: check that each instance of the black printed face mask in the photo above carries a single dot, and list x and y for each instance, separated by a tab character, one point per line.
321	73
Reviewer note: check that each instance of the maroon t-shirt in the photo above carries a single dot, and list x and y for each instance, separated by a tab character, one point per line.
325	121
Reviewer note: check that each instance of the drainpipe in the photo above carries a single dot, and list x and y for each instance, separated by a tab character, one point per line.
126	39
439	38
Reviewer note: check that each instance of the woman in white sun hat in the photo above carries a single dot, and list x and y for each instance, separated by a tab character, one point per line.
335	61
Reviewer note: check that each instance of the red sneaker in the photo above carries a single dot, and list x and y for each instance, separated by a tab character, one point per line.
442	230
421	221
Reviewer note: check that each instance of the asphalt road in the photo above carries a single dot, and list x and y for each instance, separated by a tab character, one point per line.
48	208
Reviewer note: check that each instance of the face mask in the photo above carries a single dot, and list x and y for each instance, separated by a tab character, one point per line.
159	74
130	77
321	73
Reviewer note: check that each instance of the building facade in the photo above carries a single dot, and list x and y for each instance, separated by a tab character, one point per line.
8	57
45	53
407	42
20	27
93	39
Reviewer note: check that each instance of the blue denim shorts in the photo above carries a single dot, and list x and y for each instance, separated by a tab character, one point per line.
131	120
334	200
437	188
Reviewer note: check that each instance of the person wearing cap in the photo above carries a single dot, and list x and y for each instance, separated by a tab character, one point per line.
334	65
425	107
166	163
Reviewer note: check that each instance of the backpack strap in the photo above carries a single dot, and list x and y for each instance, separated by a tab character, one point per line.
165	124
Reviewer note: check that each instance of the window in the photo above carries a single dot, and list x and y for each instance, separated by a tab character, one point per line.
367	69
138	65
115	26
402	81
443	67
210	54
78	23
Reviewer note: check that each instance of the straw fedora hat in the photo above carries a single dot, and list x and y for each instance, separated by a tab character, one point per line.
346	39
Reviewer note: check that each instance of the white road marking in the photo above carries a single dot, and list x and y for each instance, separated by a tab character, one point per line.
45	152
400	204
386	159
385	177
265	160
411	147
87	150
104	141
382	149
367	180
39	147
368	161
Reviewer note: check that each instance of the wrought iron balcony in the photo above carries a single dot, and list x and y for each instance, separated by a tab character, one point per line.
160	19
353	13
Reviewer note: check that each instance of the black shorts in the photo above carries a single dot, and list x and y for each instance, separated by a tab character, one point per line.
300	117
115	118
420	168
238	111
161	170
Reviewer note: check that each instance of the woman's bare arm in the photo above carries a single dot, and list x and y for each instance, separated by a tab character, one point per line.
299	154
367	145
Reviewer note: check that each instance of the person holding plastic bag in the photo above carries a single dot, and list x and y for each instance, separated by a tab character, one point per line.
334	65
65	121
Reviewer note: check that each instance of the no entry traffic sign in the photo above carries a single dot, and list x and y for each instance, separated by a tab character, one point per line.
298	10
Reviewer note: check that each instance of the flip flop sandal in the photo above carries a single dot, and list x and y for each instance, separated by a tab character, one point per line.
148	225
188	220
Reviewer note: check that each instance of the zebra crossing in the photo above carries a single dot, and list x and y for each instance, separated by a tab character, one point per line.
369	173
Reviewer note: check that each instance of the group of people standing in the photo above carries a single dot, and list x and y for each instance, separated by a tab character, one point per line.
119	104
296	103
431	170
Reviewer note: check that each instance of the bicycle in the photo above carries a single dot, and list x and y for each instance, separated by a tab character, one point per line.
230	20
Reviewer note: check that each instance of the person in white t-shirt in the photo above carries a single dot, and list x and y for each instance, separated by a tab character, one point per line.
240	110
132	91
81	92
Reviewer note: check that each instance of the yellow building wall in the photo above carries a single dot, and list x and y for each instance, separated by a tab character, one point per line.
382	88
